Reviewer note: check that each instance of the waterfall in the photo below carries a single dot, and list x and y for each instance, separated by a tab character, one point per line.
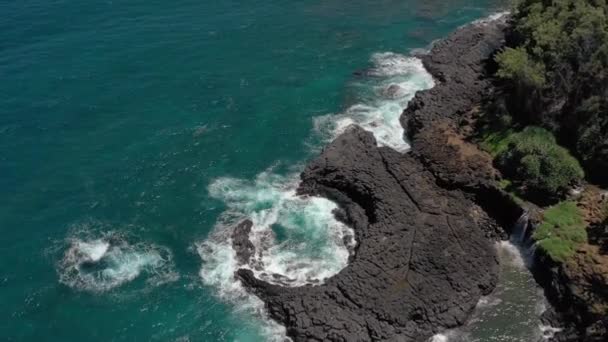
513	311
520	229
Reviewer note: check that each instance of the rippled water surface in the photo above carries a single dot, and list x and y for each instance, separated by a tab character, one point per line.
134	133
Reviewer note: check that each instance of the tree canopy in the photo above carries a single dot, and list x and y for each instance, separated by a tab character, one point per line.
556	70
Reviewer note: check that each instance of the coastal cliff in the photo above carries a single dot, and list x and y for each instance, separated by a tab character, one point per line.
425	221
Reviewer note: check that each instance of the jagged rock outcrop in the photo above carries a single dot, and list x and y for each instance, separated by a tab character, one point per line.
241	244
423	258
439	120
434	116
422	261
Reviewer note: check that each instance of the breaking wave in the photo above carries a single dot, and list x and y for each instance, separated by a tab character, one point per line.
491	18
98	264
384	93
298	240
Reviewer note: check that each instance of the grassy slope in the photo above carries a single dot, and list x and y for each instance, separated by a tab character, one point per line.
562	229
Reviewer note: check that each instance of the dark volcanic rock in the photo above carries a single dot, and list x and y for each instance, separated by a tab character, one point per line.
436	118
458	65
421	264
241	244
422	260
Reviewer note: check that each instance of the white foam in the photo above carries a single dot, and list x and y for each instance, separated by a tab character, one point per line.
548	332
445	336
93	251
101	264
307	247
217	271
310	246
491	18
386	64
439	338
393	81
487	302
511	254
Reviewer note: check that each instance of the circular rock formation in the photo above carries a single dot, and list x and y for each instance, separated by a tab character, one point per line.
422	259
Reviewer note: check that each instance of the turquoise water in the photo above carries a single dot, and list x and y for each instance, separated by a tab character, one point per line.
132	132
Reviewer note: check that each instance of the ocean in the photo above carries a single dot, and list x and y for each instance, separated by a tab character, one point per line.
134	135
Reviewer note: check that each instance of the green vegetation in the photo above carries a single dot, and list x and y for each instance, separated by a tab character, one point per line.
533	162
534	159
561	231
505	184
516	65
556	74
496	142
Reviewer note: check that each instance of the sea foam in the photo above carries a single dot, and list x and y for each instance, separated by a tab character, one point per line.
101	264
384	93
298	239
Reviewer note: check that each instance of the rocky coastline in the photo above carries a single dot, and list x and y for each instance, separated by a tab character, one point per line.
425	221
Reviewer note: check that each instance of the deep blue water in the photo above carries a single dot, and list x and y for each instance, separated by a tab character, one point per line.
131	130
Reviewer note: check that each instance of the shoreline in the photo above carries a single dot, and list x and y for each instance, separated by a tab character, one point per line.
394	200
419	218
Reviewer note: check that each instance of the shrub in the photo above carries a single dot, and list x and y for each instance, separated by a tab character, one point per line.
495	142
561	230
533	158
516	65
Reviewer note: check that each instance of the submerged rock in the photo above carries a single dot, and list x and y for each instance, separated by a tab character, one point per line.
241	244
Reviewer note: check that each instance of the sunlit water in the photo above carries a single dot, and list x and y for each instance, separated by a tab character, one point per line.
134	134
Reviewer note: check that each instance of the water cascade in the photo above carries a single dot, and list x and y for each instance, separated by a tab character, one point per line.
520	230
513	311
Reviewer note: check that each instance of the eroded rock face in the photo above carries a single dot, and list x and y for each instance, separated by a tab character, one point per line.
579	291
421	264
455	162
434	116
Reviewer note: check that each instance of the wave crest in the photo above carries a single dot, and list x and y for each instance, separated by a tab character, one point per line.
384	93
298	240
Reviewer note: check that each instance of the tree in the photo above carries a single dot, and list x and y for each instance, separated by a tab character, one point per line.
555	73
